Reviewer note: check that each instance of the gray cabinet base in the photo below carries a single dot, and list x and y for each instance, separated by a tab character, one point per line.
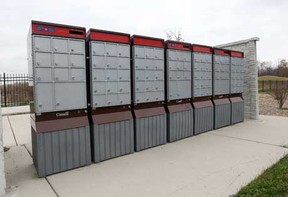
237	110
112	140
150	131
222	113
203	119
180	123
61	150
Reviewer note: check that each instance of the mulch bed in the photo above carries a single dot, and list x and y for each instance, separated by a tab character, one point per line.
269	106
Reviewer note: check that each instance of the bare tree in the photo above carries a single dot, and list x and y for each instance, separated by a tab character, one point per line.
280	94
174	35
266	68
282	69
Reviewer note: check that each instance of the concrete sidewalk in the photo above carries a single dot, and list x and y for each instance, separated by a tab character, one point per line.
217	163
15	110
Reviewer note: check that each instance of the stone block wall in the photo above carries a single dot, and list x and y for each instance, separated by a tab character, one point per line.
249	47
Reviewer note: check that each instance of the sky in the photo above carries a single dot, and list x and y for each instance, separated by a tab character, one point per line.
206	22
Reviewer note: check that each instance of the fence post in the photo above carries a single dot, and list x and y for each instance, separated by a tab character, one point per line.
5	93
269	85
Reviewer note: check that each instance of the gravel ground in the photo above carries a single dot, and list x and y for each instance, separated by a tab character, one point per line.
269	106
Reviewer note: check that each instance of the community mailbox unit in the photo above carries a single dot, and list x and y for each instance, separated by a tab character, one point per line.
221	87
105	95
236	86
202	88
178	90
148	92
112	131
59	126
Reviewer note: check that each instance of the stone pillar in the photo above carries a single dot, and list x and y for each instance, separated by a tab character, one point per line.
250	76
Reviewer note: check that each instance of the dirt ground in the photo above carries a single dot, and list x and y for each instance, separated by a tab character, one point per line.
269	106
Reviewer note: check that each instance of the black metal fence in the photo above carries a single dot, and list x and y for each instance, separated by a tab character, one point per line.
14	89
266	86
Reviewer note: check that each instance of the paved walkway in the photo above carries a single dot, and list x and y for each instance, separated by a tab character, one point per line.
15	110
217	163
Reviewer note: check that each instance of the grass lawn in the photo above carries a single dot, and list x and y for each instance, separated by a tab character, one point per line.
271	78
271	183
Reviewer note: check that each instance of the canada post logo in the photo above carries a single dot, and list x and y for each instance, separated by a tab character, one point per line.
48	29
172	44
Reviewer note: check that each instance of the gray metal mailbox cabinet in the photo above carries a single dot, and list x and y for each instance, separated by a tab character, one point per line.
109	97
221	87
236	86
202	88
148	92
178	90
59	126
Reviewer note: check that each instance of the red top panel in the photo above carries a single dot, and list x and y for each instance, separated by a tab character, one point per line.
147	41
237	54
95	34
221	52
201	48
178	45
52	29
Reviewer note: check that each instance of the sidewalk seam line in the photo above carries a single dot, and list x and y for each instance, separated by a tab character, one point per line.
12	130
27	150
15	114
265	143
44	177
52	187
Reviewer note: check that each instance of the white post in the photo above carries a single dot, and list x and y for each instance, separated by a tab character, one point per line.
2	172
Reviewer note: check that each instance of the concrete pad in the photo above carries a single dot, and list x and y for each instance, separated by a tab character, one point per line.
268	129
21	127
20	172
204	165
15	110
8	138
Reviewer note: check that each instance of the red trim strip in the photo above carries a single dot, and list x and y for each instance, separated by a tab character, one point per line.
236	54
222	52
178	45
109	36
55	30
200	48
146	41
